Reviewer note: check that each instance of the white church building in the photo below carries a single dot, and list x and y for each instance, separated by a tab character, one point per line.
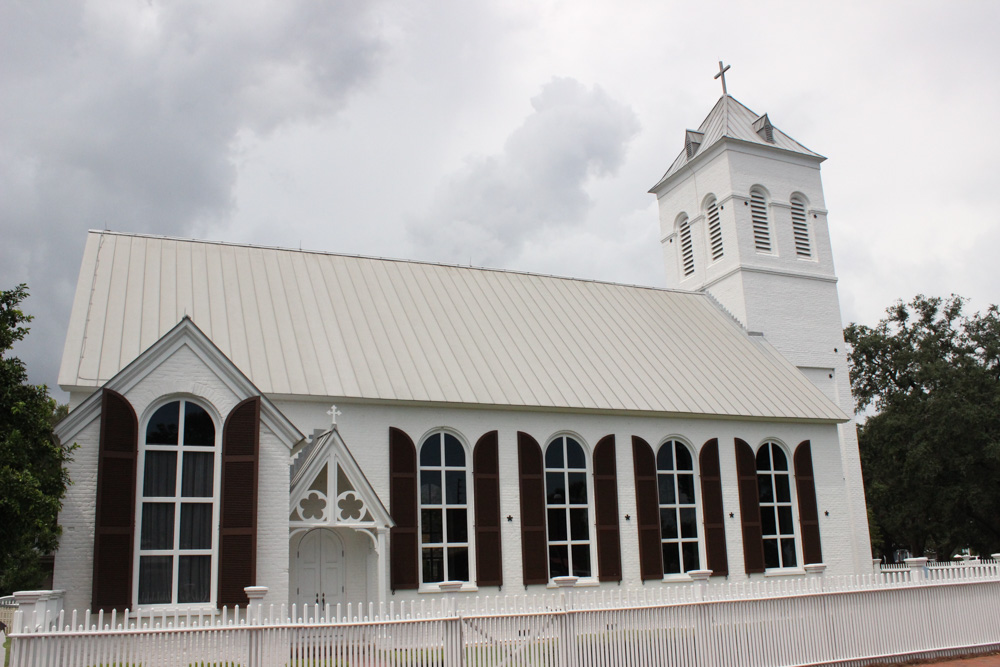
495	432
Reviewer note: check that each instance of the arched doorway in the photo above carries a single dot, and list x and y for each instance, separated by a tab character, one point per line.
319	568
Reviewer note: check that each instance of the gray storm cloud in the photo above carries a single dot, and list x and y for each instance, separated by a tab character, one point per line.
126	116
497	204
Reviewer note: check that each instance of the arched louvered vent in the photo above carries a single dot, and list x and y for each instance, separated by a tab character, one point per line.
758	213
800	228
687	249
715	230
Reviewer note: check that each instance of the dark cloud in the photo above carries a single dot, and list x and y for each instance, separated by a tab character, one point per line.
497	204
126	116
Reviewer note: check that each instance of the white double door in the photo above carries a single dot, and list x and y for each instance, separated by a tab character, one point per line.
320	568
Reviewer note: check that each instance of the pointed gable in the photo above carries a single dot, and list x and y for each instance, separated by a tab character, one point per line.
730	119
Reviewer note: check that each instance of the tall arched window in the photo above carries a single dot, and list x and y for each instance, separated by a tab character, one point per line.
714	229
567	508
444	509
775	494
800	227
178	506
761	227
687	247
678	508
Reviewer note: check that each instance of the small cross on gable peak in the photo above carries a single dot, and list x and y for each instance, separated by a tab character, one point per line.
334	413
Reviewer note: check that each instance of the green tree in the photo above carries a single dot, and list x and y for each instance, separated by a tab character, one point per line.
33	478
930	451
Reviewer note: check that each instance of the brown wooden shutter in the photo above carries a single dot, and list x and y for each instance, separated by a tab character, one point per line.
534	544
238	512
609	556
404	549
753	540
712	511
486	482
647	507
114	531
805	490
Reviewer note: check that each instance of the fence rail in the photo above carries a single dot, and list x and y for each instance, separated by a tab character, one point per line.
812	620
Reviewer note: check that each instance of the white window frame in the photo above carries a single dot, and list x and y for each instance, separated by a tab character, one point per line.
799	198
447	584
699	519
792	503
588	471
176	552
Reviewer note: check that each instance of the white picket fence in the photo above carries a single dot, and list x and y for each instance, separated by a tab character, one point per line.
811	620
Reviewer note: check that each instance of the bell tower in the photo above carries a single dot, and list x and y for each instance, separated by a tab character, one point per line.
743	218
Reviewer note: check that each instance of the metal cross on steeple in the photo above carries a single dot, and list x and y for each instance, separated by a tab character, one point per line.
722	73
334	413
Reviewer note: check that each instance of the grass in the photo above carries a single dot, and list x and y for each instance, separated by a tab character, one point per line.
6	651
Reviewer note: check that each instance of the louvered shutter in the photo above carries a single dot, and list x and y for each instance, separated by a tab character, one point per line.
800	228
711	502
534	545
114	531
238	512
404	549
753	540
609	558
647	507
486	482
805	491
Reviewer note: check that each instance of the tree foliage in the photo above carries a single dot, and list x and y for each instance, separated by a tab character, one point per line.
32	475
931	451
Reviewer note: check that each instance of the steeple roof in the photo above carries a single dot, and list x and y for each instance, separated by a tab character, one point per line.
731	119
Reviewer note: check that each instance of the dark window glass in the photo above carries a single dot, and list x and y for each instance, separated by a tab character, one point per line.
764	488
781	487
554	455
430	521
455	487
788	552
668	523
764	457
194	579
780	462
558	560
458	527
157	526
458	564
785	520
162	428
430	453
767	523
199	469
685	489
160	474
433	565
430	487
575	457
555	487
665	457
683	458
155	579
199	429
196	526
577	487
581	560
691	559
689	522
454	453
771	554
666	484
671	558
557	524
578	528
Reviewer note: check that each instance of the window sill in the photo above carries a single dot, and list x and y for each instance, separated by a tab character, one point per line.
199	609
784	572
582	582
677	578
449	587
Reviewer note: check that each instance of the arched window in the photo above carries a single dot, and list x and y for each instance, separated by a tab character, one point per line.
800	227
178	506
714	229
678	508
567	508
775	494
687	247
758	215
444	509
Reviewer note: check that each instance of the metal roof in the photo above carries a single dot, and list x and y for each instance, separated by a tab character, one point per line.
731	119
319	324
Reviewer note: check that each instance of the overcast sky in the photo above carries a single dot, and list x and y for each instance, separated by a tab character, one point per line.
511	134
